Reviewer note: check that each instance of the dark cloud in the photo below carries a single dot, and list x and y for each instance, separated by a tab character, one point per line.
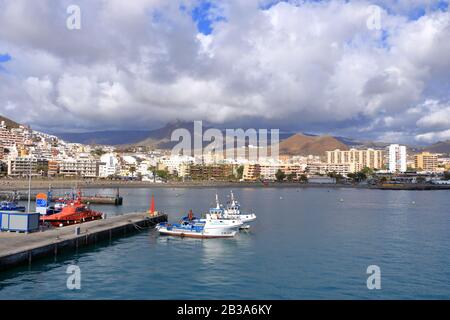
299	65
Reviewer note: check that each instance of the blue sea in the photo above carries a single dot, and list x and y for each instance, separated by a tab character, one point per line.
308	243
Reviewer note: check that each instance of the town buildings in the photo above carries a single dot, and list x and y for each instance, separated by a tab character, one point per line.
22	150
320	168
211	172
397	158
268	170
426	161
24	166
108	165
358	159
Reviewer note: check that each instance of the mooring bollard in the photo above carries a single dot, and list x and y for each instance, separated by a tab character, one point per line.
77	231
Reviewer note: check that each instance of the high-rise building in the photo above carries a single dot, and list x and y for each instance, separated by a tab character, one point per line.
397	158
426	161
369	158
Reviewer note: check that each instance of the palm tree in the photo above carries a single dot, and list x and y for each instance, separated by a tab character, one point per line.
132	170
152	169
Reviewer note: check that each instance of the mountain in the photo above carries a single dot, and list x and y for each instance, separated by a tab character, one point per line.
9	123
158	138
291	143
439	147
105	137
303	145
161	138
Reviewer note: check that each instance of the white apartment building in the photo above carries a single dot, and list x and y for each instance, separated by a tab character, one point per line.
397	158
369	158
83	166
176	164
109	165
22	166
339	168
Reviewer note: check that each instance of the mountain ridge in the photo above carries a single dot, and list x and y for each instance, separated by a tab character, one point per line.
303	145
290	142
9	123
438	147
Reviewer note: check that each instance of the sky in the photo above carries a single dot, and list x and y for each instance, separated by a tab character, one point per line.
375	70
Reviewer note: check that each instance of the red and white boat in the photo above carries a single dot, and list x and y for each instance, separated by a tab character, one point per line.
73	212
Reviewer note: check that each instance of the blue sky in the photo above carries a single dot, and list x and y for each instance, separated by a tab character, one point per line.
203	18
4	57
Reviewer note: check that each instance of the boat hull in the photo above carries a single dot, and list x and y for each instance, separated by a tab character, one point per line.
245	218
69	222
197	232
184	234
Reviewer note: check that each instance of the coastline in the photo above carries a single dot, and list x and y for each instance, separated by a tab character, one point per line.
21	184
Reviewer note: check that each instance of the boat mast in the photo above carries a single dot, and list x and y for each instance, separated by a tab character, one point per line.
217	201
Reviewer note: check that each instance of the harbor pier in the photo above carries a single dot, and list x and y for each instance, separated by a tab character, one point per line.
92	199
20	249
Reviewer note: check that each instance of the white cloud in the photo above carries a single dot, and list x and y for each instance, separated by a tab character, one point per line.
315	66
434	136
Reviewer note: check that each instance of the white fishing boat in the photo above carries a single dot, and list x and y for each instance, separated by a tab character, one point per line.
229	214
212	226
233	211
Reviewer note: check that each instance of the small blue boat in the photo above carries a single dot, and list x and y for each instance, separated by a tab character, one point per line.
11	206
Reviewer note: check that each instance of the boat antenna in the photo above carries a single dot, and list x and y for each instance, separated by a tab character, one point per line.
217	201
232	196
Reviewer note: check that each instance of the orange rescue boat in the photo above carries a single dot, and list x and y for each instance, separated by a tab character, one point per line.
73	213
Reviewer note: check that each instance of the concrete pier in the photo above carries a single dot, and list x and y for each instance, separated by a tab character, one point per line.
113	200
19	249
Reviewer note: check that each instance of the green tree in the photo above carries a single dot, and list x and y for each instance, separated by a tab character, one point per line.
339	178
280	175
152	169
367	171
336	176
384	179
332	175
357	177
3	169
361	176
98	152
447	175
303	178
42	169
291	177
163	174
240	172
132	170
421	179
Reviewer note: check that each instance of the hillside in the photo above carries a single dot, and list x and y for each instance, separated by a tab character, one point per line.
105	137
439	147
300	144
158	138
9	123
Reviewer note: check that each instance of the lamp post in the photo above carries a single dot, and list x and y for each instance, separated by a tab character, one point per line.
29	186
